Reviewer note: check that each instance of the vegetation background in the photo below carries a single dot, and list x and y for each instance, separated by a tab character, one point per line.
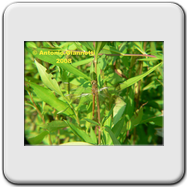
60	108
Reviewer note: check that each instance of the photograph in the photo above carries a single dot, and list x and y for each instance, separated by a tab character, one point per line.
86	93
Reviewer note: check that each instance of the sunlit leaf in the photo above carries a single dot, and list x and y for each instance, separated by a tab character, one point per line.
55	125
93	136
47	79
133	80
81	134
118	127
118	109
114	139
52	59
77	143
82	62
92	121
98	47
47	96
38	139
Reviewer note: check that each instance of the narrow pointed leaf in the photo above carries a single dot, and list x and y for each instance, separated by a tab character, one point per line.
52	59
55	125
118	127
157	120
38	139
82	62
98	47
112	135
47	78
108	115
118	109
47	96
88	45
133	80
80	133
93	136
92	121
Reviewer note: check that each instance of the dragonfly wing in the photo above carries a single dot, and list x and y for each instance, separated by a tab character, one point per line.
84	94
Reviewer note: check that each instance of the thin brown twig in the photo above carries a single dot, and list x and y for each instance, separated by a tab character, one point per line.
120	74
97	99
139	86
121	54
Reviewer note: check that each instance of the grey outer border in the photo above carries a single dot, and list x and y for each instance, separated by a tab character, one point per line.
82	2
8	3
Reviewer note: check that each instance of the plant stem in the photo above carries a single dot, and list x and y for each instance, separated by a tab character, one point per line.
121	54
97	99
139	86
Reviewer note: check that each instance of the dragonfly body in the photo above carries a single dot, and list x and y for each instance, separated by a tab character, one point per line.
94	87
86	92
95	94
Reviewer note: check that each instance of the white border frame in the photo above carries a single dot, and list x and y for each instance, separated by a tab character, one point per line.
42	164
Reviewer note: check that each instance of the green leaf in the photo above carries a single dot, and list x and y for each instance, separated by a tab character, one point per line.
114	139
108	115
129	100
136	119
157	120
55	125
118	109
47	96
47	79
149	59
52	59
88	45
133	80
92	121
31	44
93	136
38	139
153	47
82	62
76	143
118	127
159	132
139	47
98	47
80	133
102	62
110	50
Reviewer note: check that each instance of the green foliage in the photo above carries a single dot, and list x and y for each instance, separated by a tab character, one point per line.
60	108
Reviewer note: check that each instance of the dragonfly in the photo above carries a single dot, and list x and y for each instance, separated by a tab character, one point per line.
84	92
95	94
89	92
